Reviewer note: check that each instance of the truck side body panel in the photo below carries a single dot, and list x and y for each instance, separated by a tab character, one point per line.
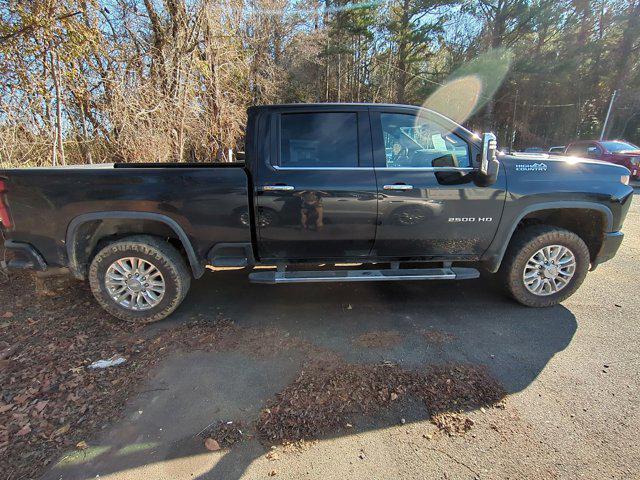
540	184
209	204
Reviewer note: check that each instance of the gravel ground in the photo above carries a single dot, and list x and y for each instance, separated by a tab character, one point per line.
570	373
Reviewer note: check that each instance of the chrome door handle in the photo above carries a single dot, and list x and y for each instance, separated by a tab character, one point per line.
277	188
398	187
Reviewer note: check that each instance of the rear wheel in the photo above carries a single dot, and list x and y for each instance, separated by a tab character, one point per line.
544	265
139	279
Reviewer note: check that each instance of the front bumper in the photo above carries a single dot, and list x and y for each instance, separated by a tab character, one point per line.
25	256
610	245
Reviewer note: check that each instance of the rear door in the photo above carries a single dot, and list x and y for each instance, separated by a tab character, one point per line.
316	190
429	205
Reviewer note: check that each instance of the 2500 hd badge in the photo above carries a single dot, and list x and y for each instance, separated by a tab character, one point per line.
469	219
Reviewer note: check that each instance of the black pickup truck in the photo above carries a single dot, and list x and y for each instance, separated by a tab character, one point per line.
404	191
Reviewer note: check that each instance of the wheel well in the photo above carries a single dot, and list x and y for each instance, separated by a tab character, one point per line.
588	224
93	235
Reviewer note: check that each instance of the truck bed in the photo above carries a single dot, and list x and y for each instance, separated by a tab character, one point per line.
209	202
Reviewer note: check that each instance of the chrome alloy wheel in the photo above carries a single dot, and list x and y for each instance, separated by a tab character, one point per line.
549	270
134	283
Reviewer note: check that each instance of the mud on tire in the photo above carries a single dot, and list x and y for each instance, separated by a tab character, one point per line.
527	242
162	255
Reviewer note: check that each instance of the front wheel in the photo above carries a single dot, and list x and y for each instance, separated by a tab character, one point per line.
139	279
544	265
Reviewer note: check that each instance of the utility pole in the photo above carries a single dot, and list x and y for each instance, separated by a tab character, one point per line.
513	123
606	120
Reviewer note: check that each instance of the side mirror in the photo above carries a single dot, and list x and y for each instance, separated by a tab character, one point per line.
489	165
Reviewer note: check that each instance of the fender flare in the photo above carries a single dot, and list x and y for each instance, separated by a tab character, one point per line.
72	231
496	260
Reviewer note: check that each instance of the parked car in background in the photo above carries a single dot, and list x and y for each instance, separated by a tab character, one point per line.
613	151
557	150
534	150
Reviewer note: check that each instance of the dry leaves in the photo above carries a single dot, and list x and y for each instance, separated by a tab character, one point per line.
50	400
212	445
437	337
225	434
452	423
379	339
326	394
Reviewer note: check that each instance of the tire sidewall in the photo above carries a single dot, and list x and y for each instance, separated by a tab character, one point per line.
573	243
173	285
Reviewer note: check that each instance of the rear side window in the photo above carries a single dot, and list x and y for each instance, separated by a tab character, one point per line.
319	140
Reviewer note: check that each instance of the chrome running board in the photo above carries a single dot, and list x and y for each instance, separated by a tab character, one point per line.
451	273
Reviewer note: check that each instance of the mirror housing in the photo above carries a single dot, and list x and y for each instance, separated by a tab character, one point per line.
489	165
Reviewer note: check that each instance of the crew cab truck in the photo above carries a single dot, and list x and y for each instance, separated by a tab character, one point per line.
391	187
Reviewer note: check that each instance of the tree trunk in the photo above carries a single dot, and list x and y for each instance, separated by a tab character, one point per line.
403	53
55	73
84	148
625	56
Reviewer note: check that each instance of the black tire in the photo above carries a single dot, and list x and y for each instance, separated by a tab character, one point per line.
176	275
524	244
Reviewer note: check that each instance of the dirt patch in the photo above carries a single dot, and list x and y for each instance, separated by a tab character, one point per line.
452	423
327	395
298	446
379	339
437	337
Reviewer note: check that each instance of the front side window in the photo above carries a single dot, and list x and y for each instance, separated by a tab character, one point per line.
323	139
412	141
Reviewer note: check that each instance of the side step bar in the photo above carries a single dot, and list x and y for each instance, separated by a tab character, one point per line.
451	273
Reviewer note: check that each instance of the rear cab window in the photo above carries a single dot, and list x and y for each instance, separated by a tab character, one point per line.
318	140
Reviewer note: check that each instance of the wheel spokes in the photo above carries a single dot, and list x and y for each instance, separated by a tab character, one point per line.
549	270
135	283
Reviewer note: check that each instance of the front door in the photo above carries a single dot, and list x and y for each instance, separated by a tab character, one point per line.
429	206
317	191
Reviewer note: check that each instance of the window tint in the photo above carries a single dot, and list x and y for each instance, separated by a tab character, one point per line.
412	141
319	140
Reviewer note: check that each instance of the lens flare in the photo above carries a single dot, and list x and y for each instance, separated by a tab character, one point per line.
456	99
471	86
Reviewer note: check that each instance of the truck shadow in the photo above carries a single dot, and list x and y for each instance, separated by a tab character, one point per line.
436	322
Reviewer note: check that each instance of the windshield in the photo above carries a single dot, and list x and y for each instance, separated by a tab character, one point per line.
619	146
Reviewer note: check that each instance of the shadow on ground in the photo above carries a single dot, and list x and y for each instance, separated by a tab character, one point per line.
157	438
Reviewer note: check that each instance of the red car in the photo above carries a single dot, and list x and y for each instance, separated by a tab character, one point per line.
614	151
